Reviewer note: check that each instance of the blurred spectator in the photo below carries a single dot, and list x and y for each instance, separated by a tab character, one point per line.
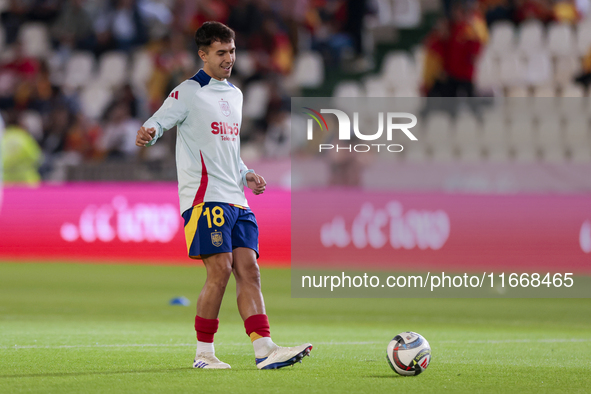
497	10
125	96
208	10
272	48
462	51
56	129
478	22
278	122
120	27
278	134
329	34
434	77
173	64
73	27
21	154
451	50
44	10
356	10
18	73
565	11
82	139
245	19
533	9
118	139
584	77
34	92
14	17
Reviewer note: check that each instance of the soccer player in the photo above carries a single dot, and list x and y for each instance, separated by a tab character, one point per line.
220	229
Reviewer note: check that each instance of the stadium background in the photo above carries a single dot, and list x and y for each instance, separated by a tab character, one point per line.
77	78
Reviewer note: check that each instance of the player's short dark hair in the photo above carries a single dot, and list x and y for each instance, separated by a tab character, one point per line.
211	32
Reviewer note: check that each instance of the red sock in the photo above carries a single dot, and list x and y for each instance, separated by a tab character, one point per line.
206	328
257	326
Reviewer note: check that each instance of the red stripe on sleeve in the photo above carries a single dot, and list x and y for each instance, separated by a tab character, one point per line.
203	184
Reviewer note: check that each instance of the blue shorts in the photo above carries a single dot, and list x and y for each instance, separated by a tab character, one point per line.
213	227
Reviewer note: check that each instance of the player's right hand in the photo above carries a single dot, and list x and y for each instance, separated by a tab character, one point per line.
144	136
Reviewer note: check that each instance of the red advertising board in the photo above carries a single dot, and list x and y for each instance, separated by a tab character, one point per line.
120	222
361	229
140	222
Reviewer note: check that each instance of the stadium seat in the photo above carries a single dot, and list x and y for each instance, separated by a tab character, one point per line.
570	106
406	91
399	70
576	131
348	89
309	70
494	139
418	57
512	69
573	91
416	153
112	69
256	99
141	69
376	87
531	36
406	14
35	39
487	72
79	69
583	40
577	141
566	67
467	137
550	140
522	140
94	100
517	91
33	122
439	137
539	69
245	64
544	91
561	39
502	37
580	154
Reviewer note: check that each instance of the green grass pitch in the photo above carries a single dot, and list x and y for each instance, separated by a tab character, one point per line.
68	328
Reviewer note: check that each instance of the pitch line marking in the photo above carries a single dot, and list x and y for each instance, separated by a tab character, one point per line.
484	341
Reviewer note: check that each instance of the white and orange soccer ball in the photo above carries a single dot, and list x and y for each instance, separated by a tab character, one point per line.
409	353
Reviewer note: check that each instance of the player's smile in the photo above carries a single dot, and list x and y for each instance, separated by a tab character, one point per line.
222	54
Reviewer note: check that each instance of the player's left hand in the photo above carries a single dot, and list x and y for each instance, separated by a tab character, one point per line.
256	183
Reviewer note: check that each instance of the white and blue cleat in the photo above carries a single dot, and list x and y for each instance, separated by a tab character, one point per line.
209	361
284	357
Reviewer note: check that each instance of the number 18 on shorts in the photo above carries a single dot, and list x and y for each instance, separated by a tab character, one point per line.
213	227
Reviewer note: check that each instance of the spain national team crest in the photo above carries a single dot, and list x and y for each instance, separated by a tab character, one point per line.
225	107
216	239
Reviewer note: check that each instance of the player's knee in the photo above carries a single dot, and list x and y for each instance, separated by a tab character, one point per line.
219	270
222	272
250	275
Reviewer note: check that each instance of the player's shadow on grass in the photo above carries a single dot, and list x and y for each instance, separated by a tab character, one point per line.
393	376
60	374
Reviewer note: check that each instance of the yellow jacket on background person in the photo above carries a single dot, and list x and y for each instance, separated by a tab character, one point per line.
21	155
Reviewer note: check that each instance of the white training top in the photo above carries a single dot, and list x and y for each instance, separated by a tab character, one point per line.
208	116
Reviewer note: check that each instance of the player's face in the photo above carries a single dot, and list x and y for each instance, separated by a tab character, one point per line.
219	59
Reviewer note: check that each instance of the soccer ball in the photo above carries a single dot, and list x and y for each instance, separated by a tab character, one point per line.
409	353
